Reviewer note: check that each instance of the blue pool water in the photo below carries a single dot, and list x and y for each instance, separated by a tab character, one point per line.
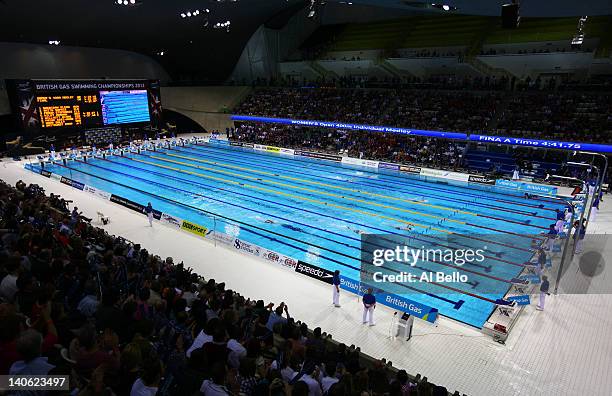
315	211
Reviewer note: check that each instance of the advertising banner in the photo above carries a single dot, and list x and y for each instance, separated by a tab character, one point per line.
315	272
72	183
527	187
218	142
247	247
403	304
386	165
194	228
521	300
324	156
280	259
410	169
481	180
135	206
439	173
359	162
98	193
172	221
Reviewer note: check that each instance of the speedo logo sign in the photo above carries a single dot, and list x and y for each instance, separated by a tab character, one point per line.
481	179
314	272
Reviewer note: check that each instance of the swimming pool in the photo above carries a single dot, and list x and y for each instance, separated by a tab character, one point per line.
316	211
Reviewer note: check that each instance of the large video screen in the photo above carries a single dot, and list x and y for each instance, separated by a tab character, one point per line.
124	107
84	103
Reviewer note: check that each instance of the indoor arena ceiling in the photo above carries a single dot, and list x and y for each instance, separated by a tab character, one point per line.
193	48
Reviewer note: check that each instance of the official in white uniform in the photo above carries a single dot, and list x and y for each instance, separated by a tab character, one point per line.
336	289
369	304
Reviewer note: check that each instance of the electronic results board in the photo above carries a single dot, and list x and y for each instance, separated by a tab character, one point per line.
69	110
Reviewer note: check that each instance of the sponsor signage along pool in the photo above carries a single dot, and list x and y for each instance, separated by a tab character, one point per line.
135	206
315	272
220	142
359	162
387	165
45	173
324	156
392	300
443	174
171	220
521	300
194	228
72	183
247	247
481	179
410	169
527	187
96	192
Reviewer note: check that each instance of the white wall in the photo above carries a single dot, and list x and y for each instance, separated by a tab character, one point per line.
534	64
297	69
422	67
204	104
34	61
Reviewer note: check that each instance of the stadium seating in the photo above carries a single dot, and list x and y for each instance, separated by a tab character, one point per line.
99	308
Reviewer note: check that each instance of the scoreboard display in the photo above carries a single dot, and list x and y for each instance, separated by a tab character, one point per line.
68	110
45	104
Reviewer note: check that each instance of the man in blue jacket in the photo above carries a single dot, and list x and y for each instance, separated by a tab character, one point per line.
336	289
369	303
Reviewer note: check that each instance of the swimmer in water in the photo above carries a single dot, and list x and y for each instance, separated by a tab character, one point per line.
270	221
404	228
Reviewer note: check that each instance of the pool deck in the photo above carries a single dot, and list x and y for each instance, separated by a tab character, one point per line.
564	350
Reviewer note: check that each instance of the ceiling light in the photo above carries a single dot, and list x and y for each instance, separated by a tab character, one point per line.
132	1
183	15
188	13
445	7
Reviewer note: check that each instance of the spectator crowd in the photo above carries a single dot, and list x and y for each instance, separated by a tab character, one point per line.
569	116
121	321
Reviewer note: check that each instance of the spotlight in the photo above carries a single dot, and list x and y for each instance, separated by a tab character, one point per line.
132	1
188	13
183	15
445	7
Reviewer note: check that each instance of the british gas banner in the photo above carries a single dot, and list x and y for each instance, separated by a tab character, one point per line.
219	142
394	301
526	187
194	228
353	127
